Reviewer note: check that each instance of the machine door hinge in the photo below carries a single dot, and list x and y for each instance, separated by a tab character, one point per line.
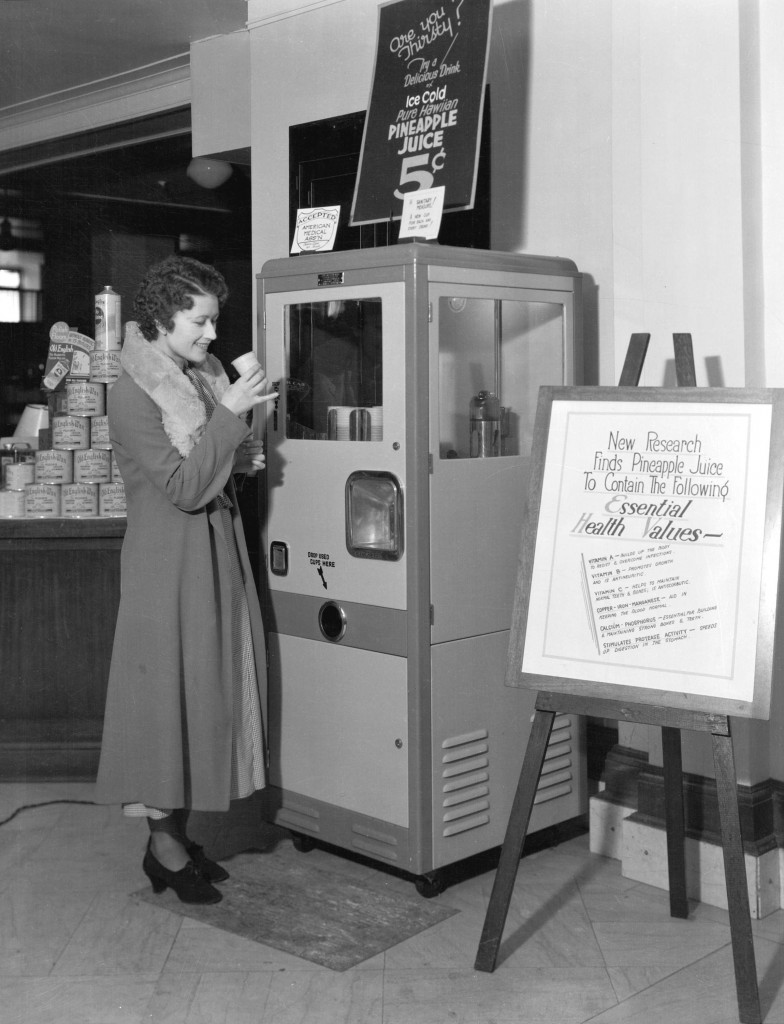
430	312
430	463
432	615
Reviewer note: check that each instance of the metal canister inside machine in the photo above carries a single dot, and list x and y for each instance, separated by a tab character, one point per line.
485	425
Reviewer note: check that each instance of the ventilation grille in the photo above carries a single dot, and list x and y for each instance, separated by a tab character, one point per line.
556	776
300	817
375	842
465	775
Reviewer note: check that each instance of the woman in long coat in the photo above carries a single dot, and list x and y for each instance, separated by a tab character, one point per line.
183	727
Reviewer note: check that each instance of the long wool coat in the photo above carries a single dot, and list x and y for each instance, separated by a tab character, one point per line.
167	739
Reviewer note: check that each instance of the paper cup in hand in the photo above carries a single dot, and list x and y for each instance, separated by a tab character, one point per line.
247	361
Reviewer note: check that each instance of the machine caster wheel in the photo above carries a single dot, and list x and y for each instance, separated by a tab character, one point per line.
430	885
303	844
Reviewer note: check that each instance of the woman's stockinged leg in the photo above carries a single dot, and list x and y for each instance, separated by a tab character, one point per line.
168	840
172	847
211	870
167	862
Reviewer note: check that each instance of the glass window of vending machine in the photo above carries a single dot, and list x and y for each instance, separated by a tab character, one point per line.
334	373
492	356
393	553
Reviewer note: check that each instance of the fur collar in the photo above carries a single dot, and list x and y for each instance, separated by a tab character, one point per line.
184	417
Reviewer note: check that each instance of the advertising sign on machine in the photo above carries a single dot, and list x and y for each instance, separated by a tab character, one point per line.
425	111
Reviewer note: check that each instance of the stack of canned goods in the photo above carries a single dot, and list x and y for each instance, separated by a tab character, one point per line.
77	477
80	462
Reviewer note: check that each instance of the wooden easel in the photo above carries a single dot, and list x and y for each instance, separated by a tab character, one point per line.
671	721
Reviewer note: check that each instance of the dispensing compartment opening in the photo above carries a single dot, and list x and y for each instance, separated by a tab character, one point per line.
374	515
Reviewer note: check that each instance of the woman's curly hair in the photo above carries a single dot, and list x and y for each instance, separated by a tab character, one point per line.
170	286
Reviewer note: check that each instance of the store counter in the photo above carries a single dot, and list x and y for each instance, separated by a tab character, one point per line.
59	592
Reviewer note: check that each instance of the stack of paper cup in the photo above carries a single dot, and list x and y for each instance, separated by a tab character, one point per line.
377	423
359	424
338	417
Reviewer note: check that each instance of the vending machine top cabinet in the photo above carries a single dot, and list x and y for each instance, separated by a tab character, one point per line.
404	373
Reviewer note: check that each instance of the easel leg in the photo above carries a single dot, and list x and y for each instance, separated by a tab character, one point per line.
737	888
673	810
512	849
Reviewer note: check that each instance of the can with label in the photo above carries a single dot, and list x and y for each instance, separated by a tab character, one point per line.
57	404
54	466
6	455
18	475
85	398
108	326
15	455
99	432
42	501
116	474
105	365
111	500
79	501
92	466
12	504
71	432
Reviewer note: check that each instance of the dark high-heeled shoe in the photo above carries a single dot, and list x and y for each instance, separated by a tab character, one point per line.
189	884
210	869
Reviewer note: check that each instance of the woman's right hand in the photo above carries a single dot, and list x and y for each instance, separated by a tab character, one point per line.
249	390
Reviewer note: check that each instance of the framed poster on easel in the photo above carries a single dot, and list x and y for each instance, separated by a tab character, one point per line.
649	569
647	591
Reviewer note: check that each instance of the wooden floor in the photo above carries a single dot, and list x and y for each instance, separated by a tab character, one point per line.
581	943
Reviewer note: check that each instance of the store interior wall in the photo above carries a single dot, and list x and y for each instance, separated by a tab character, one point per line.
621	139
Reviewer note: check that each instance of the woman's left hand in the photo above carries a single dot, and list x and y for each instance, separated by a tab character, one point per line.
249	457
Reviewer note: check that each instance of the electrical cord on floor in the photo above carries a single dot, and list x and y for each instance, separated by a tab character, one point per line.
46	803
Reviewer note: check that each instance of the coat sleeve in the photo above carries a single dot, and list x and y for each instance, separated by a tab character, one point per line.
190	482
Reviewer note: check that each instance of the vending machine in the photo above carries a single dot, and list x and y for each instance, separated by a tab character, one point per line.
397	461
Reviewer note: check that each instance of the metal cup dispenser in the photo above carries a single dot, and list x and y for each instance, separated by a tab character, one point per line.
485	425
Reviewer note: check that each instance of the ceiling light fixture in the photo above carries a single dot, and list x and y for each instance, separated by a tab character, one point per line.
209	173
